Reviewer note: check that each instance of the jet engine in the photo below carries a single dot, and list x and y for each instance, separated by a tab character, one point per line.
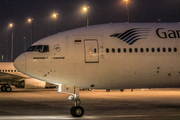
30	83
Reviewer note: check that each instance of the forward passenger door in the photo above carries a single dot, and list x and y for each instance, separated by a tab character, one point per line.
91	51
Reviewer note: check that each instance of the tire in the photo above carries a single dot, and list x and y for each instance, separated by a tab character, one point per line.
107	90
72	111
8	89
77	111
3	88
122	90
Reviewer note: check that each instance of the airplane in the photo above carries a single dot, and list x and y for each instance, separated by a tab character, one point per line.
11	76
107	56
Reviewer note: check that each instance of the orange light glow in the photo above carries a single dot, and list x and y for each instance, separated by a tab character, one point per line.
55	15
11	24
30	20
86	8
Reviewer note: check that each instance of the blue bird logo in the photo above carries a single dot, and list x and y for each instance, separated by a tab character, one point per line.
132	35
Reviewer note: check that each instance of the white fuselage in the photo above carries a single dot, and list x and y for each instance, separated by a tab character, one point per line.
8	67
10	75
110	56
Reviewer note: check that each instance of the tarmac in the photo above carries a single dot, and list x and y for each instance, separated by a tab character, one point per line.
48	104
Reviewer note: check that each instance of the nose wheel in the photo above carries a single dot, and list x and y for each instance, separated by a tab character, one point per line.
76	110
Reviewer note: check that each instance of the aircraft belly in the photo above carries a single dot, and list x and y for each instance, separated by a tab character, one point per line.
146	72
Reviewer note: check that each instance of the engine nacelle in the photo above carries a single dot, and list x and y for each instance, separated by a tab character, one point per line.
20	84
30	83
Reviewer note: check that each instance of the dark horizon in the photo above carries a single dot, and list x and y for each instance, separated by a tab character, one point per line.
72	16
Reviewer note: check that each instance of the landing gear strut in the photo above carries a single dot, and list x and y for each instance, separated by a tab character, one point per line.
76	110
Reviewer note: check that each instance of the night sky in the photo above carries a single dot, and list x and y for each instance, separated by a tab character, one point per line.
71	16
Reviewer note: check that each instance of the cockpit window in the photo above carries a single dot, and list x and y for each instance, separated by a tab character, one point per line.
46	48
39	48
32	48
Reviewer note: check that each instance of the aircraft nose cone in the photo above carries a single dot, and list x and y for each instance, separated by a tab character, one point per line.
20	63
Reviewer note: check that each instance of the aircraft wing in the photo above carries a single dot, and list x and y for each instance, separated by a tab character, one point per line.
7	76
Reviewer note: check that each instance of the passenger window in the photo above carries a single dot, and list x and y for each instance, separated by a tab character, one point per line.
94	50
153	50
5	70
147	49
124	49
14	70
136	50
0	70
158	49
141	50
8	70
107	50
164	49
130	50
11	70
169	49
46	48
175	49
113	50
119	50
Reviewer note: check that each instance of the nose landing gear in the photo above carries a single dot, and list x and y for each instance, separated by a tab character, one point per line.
76	110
